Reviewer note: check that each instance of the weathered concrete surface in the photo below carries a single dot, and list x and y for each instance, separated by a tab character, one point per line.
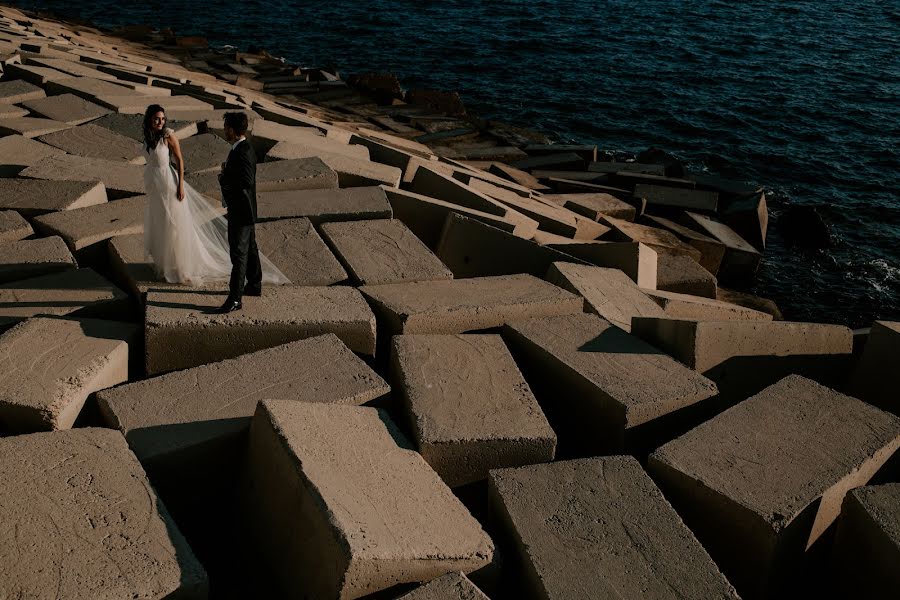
33	197
48	367
685	306
678	197
93	141
264	135
131	125
877	379
30	127
300	174
867	543
383	251
174	419
429	182
609	293
740	259
461	305
313	145
204	152
599	528
13	227
328	518
638	261
32	258
749	301
18	152
180	334
121	179
452	586
82	292
761	482
16	91
469	407
12	111
31	74
427	216
748	215
297	250
81	521
84	228
711	250
321	206
684	275
518	176
66	108
606	383
660	240
137	104
594	205
353	172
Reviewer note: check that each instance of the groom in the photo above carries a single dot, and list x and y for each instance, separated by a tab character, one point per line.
238	182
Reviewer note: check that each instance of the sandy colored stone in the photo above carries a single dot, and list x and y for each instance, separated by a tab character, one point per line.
685	306
13	227
342	508
121	179
33	197
180	334
684	275
84	227
600	528
16	91
313	145
609	293
90	88
637	260
761	482
515	175
460	305
12	111
469	407
66	108
204	152
876	377
320	206
48	368
740	259
136	104
264	135
93	141
25	259
429	182
175	418
452	586
711	250
662	241
81	521
295	247
299	174
30	127
18	152
33	74
131	125
594	205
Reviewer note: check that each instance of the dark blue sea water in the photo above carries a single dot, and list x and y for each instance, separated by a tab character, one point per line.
802	97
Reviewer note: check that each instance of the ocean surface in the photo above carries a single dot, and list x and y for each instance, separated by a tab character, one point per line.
801	97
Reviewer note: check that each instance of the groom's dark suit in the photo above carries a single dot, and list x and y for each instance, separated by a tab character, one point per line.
238	183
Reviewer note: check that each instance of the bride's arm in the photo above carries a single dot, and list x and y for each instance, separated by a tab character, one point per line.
175	149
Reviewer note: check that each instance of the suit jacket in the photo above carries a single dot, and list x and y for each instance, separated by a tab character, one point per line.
238	182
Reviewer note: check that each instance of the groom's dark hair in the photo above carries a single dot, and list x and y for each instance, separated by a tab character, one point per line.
237	121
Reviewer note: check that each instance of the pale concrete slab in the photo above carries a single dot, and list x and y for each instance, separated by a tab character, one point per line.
299	174
16	91
87	510
711	250
312	145
25	259
136	104
460	305
131	125
84	228
660	240
452	586
354	172
684	275
606	382
264	135
468	405
90	88
760	483
51	366
33	74
600	528
383	251
429	182
523	178
661	195
66	108
18	152
30	127
13	227
685	306
637	260
749	301
295	247
34	197
175	418
121	179
93	141
594	205
309	473
322	206
741	259
204	152
609	293
180	333
12	111
876	378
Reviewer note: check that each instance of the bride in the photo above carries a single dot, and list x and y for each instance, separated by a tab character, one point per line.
184	236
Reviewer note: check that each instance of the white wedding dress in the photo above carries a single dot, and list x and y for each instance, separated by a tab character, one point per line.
187	241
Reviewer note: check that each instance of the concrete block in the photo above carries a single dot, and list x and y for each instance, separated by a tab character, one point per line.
350	162
749	301
660	240
523	178
609	293
300	174
13	227
660	195
383	251
32	74
630	180
297	250
25	259
390	155
204	152
89	88
85	523
685	306
740	259
30	127
17	91
121	179
66	108
452	586
93	141
636	260
136	104
562	161
180	334
51	366
876	377
470	410
33	197
335	521
264	135
12	111
711	250
81	293
626	167
131	125
748	215
599	528
588	152
760	483
85	229
594	205
322	206
606	383
460	305
173	420
313	145
684	275
429	182
466	174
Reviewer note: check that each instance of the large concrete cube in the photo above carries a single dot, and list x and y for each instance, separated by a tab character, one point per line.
321	206
93	141
13	227
638	261
33	197
685	306
66	108
32	258
877	378
121	179
18	152
295	247
684	275
452	586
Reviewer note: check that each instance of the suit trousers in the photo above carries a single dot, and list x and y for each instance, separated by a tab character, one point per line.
244	259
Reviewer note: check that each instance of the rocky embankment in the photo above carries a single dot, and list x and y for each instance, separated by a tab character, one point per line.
503	369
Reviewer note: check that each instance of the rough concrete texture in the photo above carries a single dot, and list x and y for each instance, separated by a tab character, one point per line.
83	227
682	198
131	125
30	127
606	382
469	407
876	377
299	174
662	241
328	517
320	206
48	367
180	334
685	306
13	227
81	521
93	141
740	259
383	251
761	482
638	261
609	293
16	91
749	301
66	108
429	182
12	111
684	275
867	544
31	74
295	247
81	292
204	152
136	104
313	145
461	305
32	258
452	586
166	418
33	197
711	250
426	216
264	135
120	178
354	172
515	175
18	152
594	205
599	528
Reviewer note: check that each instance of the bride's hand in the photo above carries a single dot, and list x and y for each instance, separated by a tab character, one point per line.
180	194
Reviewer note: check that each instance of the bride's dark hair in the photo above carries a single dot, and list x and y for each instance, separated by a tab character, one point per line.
152	137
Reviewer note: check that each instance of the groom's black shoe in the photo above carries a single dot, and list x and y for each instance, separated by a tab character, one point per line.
229	306
252	291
